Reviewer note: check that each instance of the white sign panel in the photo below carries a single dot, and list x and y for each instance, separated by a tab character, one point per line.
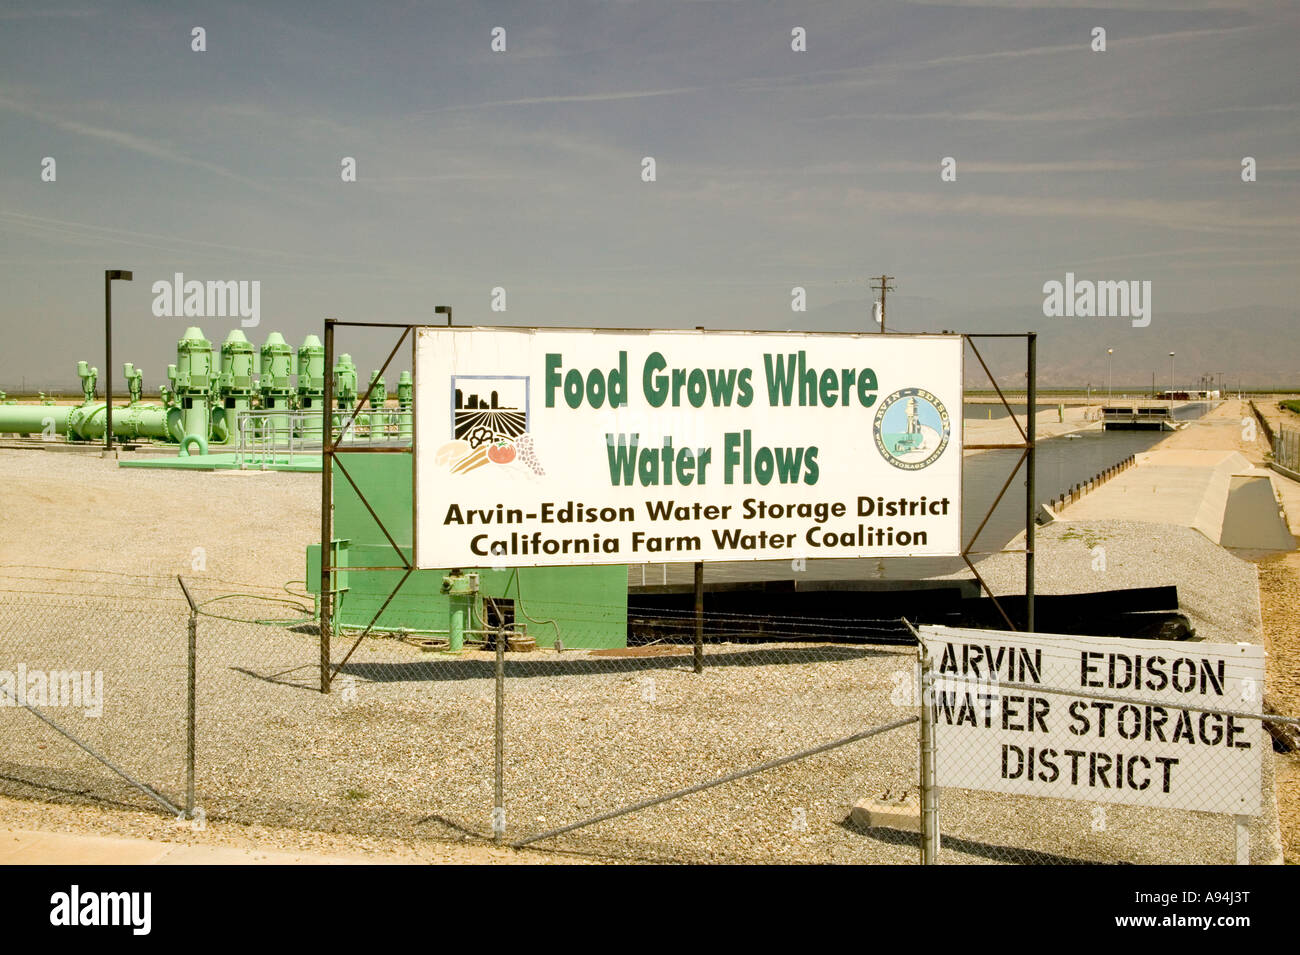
1159	750
540	447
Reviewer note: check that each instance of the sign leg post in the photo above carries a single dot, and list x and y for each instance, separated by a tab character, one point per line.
929	791
699	616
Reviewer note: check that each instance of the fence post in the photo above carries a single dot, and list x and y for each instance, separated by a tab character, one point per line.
190	681
499	802
699	616
929	792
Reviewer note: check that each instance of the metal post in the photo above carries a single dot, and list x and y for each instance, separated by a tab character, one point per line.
929	789
190	682
109	276
190	717
1171	384
1030	431
499	805
326	506
699	616
1242	826
108	362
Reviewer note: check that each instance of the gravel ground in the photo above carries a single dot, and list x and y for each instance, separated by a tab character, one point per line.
1218	591
402	751
1279	584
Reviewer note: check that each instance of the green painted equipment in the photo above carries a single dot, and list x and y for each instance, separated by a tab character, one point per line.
405	404
345	389
191	380
236	386
311	384
88	377
27	420
86	422
378	419
460	590
207	394
581	606
134	382
276	383
133	421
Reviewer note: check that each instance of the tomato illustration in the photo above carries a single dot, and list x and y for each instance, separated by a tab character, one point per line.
501	453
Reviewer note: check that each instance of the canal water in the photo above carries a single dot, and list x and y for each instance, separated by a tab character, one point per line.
1062	463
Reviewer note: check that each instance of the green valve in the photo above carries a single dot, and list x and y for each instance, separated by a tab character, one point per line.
378	420
134	381
311	385
405	401
276	385
236	386
277	369
345	388
88	378
311	373
345	382
459	588
193	380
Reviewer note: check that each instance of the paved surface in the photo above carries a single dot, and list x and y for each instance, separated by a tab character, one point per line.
1189	488
1190	478
1047	424
28	847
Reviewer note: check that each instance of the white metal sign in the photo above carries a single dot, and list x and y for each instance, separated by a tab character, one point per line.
573	446
1160	750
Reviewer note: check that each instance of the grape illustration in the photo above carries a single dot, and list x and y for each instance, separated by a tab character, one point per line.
528	453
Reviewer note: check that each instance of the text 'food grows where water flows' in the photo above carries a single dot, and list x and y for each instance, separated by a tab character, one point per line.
573	446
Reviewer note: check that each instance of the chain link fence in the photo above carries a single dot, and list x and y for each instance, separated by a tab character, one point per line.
1286	449
1037	772
754	746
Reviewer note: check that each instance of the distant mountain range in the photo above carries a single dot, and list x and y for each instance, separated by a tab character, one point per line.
1254	347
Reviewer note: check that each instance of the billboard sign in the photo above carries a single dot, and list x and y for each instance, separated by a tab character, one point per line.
544	447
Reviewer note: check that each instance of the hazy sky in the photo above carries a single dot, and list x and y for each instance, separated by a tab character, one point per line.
522	169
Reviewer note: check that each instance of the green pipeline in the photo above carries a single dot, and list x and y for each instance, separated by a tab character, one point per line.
87	421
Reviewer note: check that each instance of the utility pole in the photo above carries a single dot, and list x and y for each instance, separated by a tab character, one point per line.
882	288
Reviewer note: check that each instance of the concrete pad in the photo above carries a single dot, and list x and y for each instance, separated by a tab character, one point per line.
1253	519
1288	492
978	430
874	814
1171	486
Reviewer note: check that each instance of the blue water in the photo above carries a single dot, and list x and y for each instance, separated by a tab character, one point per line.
1061	463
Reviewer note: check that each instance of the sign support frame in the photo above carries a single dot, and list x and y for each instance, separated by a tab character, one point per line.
1027	447
330	447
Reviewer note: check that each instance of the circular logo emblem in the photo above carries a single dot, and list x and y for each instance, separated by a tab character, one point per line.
912	429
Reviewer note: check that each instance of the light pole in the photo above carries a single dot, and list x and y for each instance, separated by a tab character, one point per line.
1171	383
109	276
